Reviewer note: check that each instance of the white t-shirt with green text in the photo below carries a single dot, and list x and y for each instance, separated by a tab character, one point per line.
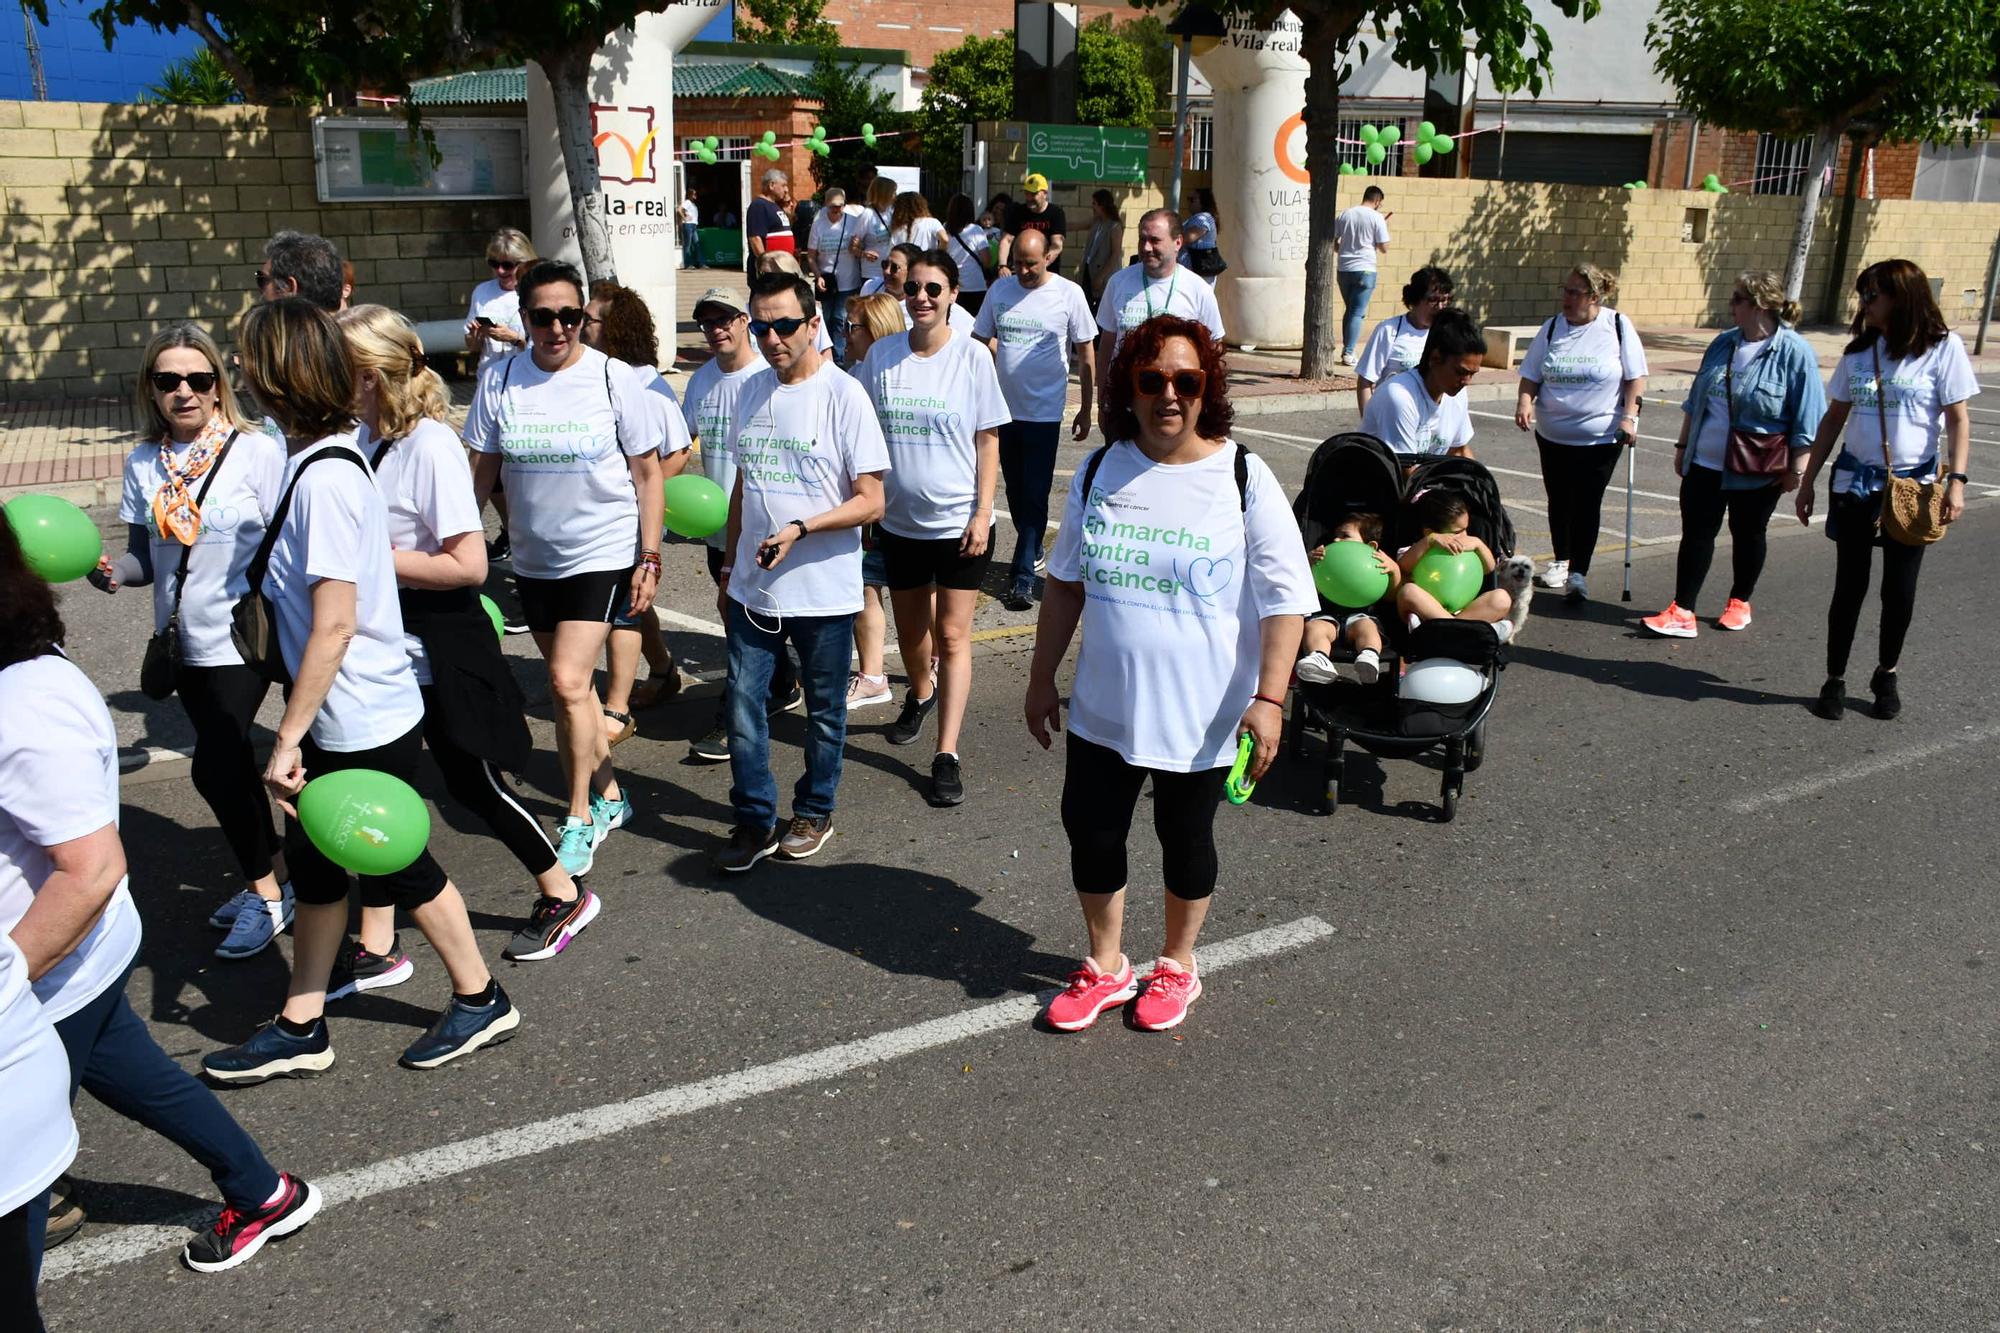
932	409
1914	392
1033	330
711	401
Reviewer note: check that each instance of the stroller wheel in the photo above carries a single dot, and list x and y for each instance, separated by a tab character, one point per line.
1336	766
1475	748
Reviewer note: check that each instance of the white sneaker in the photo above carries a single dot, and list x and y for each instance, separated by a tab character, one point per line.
1577	589
1365	669
1315	669
1555	576
862	691
1347	358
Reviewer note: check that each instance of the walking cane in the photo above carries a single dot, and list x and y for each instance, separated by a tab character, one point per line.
1631	449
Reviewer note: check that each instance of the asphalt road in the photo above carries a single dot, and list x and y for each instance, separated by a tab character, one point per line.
1687	1022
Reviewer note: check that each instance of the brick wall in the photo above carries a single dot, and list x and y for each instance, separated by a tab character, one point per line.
749	117
120	218
919	28
1732	156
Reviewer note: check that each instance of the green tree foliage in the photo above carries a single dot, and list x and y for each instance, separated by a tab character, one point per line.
1149	37
973	81
196	79
1113	86
801	22
1887	71
848	100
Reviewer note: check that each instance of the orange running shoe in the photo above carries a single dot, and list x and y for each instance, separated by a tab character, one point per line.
1735	616
1673	622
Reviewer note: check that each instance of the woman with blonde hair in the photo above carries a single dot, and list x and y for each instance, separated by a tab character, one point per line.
1580	390
873	242
473	708
871	319
1747	422
493	319
199	490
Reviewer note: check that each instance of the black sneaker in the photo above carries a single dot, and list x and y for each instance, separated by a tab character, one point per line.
500	550
462	1029
947	786
1019	599
237	1236
552	924
747	846
1832	701
910	724
713	747
514	622
356	970
271	1053
1888	700
786	701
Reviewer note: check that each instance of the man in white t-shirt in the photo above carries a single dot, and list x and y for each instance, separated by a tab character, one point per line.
1033	320
691	232
1362	233
809	464
1156	285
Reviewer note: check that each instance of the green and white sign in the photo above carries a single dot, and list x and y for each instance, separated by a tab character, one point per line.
1088	153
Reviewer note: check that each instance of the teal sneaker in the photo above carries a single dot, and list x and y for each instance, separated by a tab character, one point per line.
606	814
576	846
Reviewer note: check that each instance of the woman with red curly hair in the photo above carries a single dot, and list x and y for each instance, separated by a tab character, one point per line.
1180	558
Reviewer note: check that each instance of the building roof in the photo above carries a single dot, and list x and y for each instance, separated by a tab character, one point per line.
503	87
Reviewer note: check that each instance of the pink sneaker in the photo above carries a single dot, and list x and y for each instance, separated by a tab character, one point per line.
1090	992
1673	622
1736	615
1169	991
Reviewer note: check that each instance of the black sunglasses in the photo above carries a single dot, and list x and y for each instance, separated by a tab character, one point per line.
569	317
1187	383
931	289
260	280
201	381
784	328
502	265
712	323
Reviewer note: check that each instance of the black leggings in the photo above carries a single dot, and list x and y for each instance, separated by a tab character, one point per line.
1703	503
1100	791
221	702
478	786
18	1262
318	880
1854	542
1575	477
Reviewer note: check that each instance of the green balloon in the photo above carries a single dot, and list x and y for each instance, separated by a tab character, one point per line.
1376	154
492	610
696	506
1426	131
365	821
1348	575
58	540
1423	153
1441	143
1453	579
1347	168
1370	134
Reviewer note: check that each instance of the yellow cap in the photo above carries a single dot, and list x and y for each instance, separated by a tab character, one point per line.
1034	182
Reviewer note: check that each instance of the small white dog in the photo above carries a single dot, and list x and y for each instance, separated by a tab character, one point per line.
1516	574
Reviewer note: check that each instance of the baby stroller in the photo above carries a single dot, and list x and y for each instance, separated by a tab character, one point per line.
1438	682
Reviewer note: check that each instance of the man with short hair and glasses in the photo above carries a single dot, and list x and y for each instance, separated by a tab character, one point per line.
809	459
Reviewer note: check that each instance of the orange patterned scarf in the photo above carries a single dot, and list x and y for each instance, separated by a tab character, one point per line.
175	513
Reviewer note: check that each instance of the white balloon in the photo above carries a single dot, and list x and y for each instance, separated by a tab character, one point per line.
1441	680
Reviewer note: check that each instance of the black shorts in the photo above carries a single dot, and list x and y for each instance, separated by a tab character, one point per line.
919	562
598	597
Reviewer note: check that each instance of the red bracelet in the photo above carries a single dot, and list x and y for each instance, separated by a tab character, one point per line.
1267	699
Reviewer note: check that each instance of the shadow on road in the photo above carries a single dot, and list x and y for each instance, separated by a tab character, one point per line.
1661	680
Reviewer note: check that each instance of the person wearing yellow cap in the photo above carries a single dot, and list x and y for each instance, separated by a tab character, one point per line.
1033	212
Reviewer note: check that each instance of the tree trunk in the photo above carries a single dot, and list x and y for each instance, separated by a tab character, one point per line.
569	83
1324	38
1826	150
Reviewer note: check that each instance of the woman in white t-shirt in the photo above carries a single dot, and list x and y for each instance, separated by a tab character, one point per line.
578	440
965	241
1397	344
474	713
1901	391
493	326
354	701
911	222
872	241
66	906
42	1132
1422	412
200	488
938	398
1580	390
1181	560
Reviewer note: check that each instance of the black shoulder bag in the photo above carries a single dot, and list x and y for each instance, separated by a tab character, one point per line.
159	673
253	623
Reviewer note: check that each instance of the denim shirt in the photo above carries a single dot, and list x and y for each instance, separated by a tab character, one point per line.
1779	391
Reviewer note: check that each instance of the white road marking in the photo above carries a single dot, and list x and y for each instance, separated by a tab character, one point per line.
1536	476
1882	763
1508	417
94	1253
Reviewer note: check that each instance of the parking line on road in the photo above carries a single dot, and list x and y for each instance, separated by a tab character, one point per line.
578	1127
1882	763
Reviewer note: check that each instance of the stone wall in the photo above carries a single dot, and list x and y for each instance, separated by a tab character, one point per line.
119	218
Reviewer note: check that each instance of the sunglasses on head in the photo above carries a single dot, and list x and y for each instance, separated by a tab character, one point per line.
502	265
569	317
784	328
1187	383
165	381
931	289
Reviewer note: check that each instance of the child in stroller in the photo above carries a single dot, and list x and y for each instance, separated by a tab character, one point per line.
1356	631
1446	520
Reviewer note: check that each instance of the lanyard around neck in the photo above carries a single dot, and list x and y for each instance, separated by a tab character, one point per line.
1146	290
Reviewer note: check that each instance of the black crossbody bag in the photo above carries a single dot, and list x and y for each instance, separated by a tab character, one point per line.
159	673
253	622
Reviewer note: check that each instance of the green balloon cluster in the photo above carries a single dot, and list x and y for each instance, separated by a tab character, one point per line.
1633	185
1349	169
705	149
868	135
58	540
1349	575
696	506
1453	579
1713	185
818	143
1376	143
1430	143
365	821
767	147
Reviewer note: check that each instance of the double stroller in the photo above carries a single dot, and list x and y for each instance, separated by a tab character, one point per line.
1405	714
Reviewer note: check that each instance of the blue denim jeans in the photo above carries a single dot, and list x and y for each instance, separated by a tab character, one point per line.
1355	289
1028	467
112	1054
826	652
833	308
691	246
